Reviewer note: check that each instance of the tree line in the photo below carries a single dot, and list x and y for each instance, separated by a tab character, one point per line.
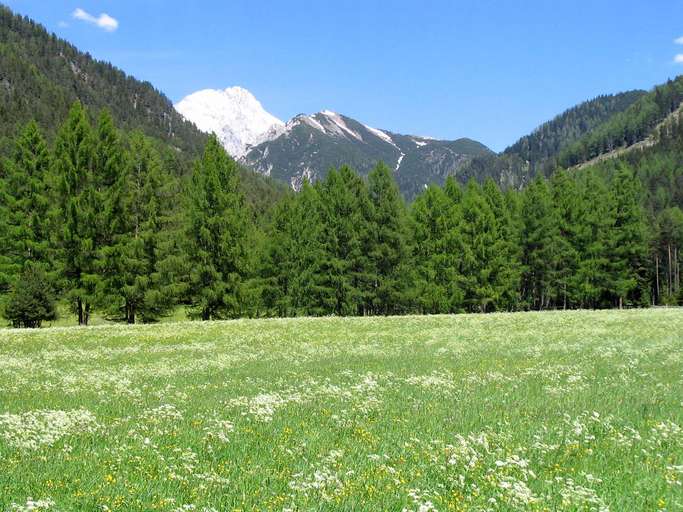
98	221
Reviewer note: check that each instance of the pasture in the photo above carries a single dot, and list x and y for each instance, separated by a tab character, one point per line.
575	411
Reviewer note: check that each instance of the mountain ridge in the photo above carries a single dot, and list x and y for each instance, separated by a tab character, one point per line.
308	145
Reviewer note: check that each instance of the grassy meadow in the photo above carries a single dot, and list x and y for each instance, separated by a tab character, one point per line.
576	411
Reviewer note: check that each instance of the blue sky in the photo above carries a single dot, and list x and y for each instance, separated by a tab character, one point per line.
487	70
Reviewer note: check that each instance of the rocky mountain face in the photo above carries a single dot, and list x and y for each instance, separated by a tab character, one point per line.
307	146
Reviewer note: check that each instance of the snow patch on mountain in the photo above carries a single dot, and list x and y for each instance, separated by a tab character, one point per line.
379	133
387	138
336	125
234	115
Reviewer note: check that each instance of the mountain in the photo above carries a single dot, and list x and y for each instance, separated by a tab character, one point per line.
309	145
234	114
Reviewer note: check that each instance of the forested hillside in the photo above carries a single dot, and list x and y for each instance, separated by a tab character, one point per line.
539	151
42	75
626	128
541	147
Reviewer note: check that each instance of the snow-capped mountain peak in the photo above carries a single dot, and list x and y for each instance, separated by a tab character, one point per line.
233	114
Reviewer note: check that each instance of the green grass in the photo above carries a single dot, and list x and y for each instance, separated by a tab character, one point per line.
526	411
66	318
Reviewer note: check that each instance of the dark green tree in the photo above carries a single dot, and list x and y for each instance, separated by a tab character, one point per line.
591	280
344	287
669	243
136	282
437	250
217	234
389	248
31	301
540	245
628	242
483	267
567	202
77	211
24	201
506	262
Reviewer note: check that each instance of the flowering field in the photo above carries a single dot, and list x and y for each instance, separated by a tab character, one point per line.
528	411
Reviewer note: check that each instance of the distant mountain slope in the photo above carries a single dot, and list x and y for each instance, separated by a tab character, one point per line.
631	126
42	75
546	141
309	145
539	151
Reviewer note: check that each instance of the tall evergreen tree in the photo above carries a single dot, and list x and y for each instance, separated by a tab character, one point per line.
540	245
217	234
388	243
77	210
437	250
507	251
344	286
134	282
567	202
24	201
591	280
483	267
628	244
667	274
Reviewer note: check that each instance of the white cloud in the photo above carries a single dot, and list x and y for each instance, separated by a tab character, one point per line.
678	58
63	24
679	40
104	21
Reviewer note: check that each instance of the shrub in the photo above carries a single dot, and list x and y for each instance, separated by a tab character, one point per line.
31	300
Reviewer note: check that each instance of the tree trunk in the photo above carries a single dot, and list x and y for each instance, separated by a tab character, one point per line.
668	248
677	273
86	314
79	309
621	302
130	313
657	276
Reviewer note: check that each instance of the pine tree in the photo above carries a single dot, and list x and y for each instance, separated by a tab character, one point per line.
388	243
482	265
540	245
217	234
506	262
567	202
281	264
668	255
591	280
308	289
344	286
628	243
136	282
31	301
77	210
437	250
25	231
